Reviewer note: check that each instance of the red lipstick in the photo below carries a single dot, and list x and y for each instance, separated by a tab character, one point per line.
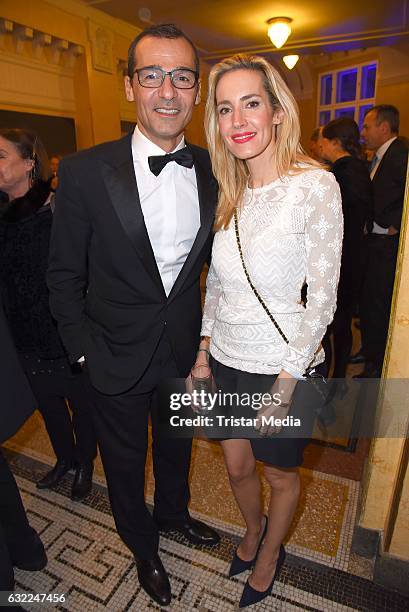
243	137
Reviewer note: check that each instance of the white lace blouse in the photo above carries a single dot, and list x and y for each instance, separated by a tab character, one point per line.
291	232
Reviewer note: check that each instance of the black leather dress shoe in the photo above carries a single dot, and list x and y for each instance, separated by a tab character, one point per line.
35	558
359	357
82	485
54	476
194	531
154	580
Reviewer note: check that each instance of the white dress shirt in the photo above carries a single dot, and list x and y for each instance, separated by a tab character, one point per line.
377	229
170	206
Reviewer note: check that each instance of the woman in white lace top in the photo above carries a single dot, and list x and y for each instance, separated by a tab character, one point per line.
290	227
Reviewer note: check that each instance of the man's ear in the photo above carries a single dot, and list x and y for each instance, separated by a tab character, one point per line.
198	93
385	127
128	89
278	116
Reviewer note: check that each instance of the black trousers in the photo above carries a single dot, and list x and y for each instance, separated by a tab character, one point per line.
377	295
341	330
15	531
122	430
72	438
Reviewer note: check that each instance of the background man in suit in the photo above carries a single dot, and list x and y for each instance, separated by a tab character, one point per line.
20	545
388	174
125	263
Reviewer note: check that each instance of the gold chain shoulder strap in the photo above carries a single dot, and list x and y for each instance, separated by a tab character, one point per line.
256	293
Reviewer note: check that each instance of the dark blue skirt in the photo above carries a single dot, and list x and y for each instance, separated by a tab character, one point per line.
284	449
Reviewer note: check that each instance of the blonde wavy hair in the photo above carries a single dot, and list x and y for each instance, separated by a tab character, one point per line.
232	173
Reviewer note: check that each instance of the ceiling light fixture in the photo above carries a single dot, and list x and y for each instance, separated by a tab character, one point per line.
290	61
279	30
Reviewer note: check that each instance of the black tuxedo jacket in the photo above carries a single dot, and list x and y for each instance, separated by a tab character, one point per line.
389	185
105	288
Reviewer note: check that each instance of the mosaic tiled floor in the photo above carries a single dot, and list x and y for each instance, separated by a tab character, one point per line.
327	500
88	563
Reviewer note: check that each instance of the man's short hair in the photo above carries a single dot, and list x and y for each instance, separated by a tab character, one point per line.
164	30
388	113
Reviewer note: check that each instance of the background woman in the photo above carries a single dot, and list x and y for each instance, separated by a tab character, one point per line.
340	145
25	227
290	226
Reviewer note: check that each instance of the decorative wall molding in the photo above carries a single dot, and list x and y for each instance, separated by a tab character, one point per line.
21	40
327	43
41	41
6	27
122	67
31	83
86	11
102	42
21	34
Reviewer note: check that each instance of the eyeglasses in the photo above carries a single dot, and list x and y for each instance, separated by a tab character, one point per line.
181	78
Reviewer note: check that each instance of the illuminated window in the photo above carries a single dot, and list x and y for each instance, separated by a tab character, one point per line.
349	92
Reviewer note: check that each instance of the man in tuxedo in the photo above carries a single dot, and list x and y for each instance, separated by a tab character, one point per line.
388	174
132	231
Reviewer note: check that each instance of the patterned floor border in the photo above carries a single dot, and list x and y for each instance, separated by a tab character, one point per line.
90	564
340	560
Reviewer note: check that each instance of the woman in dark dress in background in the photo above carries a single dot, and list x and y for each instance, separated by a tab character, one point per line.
341	147
25	228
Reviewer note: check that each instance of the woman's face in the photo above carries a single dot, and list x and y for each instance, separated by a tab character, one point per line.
330	148
14	170
246	118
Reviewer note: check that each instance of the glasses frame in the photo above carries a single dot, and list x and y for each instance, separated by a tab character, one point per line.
170	74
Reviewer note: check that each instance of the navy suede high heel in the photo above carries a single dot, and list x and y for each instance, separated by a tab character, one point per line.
239	565
251	596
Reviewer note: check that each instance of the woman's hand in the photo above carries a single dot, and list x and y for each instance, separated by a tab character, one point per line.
200	378
281	394
201	366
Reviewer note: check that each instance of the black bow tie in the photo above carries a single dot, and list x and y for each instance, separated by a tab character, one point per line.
183	157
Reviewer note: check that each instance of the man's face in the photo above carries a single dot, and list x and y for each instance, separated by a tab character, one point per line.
373	134
163	112
54	161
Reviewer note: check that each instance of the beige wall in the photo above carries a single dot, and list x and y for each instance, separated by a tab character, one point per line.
392	86
399	544
35	80
397	94
95	104
307	120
